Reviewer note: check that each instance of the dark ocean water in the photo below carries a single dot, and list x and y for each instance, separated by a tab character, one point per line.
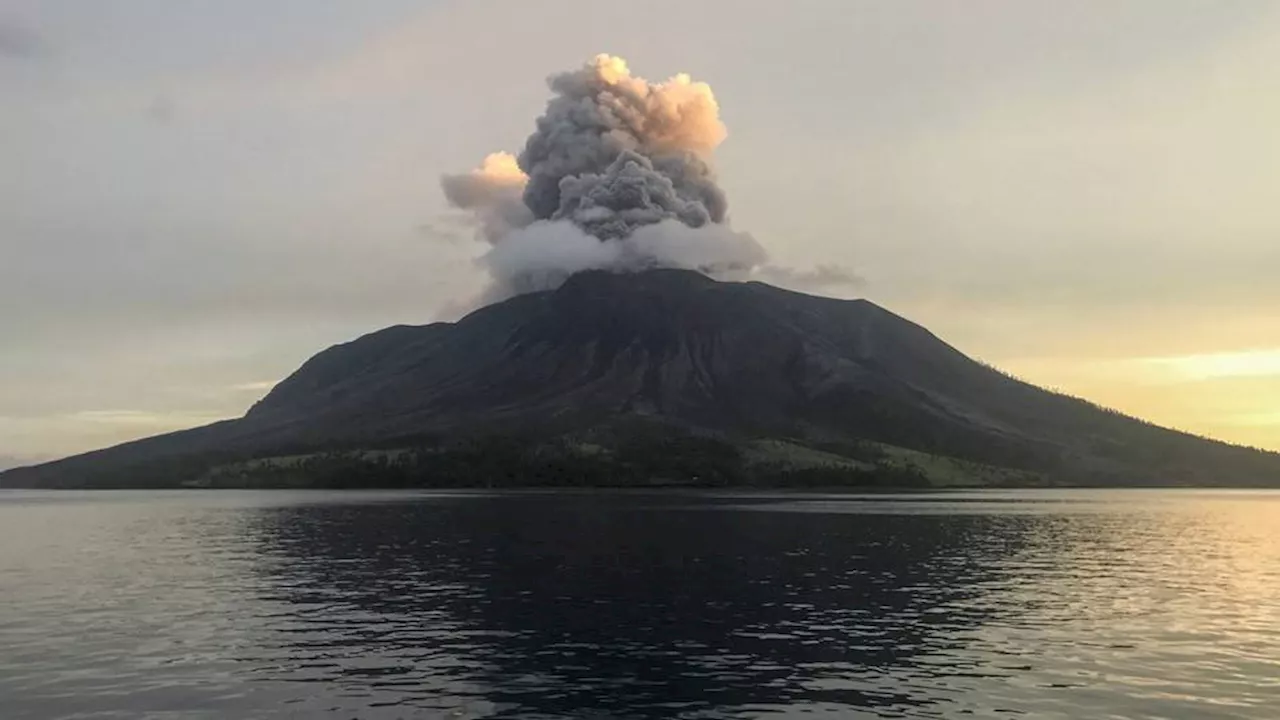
1074	604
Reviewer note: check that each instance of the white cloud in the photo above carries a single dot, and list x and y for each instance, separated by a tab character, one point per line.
254	386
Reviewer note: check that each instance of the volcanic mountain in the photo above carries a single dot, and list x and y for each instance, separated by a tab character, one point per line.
661	376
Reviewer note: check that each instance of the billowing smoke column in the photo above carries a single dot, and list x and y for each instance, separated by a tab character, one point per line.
616	176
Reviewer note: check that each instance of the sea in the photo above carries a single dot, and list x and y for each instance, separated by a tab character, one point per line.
294	604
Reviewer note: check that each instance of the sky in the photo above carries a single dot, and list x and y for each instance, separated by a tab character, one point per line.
195	197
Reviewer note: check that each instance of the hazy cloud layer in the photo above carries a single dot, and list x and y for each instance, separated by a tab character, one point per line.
823	277
19	42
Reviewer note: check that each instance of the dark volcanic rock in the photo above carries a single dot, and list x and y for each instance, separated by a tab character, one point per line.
739	360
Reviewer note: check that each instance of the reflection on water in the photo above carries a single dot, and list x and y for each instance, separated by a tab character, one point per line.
1071	604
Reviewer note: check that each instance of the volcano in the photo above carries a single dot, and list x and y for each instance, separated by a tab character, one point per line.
664	376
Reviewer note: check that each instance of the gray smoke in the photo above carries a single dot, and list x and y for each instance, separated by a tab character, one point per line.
629	193
617	176
600	112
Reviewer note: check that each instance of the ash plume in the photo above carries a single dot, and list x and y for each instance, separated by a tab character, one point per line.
617	175
601	111
493	193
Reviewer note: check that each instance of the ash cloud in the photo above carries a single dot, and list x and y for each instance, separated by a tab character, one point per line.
617	175
494	194
600	112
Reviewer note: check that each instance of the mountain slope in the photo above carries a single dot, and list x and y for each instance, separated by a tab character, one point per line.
737	361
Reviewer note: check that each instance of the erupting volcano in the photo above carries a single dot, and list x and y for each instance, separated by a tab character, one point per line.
626	339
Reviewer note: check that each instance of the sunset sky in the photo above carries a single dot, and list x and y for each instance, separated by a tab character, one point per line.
196	196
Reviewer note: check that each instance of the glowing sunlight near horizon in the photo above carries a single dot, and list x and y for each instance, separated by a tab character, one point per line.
1252	363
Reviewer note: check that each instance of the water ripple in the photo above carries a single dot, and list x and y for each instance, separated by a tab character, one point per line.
264	605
